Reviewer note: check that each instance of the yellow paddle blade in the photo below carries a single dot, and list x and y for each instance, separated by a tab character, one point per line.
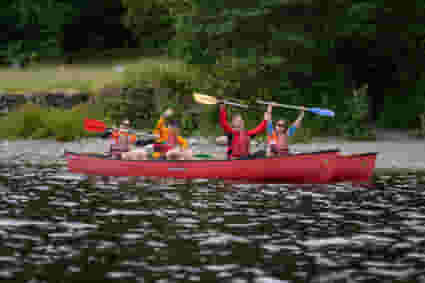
204	99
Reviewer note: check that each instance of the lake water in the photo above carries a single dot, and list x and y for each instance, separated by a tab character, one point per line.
55	227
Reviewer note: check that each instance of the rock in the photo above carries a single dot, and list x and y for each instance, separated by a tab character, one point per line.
221	140
66	100
63	99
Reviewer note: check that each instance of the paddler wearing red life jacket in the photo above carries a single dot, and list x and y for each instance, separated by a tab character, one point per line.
240	141
277	138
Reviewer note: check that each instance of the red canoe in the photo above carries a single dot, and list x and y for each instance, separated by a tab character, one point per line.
355	168
305	168
295	169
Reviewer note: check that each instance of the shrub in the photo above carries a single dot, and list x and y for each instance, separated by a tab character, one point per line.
356	116
33	121
22	122
302	135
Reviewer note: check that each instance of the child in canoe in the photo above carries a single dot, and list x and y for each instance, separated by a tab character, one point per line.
169	143
277	138
124	142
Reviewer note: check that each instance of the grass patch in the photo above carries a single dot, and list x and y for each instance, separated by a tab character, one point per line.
84	75
101	71
35	122
161	70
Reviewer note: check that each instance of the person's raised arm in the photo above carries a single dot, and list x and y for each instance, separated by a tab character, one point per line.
300	117
269	120
158	126
223	119
161	121
296	124
167	113
182	141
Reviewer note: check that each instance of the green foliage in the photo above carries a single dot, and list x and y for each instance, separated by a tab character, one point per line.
179	78
33	121
83	86
23	122
150	21
355	117
302	135
162	72
42	19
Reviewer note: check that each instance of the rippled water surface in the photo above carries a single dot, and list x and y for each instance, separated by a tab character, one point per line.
54	226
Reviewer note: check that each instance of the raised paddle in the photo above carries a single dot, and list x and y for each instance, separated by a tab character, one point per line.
206	99
315	110
97	126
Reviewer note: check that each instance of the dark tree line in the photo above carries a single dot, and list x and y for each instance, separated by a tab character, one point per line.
49	28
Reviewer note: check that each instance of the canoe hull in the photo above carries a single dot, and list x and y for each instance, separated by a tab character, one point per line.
323	167
294	169
355	168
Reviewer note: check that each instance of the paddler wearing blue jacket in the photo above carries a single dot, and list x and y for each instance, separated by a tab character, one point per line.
277	138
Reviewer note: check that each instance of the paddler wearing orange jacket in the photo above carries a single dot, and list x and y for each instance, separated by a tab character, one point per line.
169	142
277	138
240	144
123	139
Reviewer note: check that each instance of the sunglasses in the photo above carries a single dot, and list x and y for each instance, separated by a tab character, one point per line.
280	125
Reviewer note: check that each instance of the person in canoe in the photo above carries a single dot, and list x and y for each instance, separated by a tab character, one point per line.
170	144
277	138
240	137
123	141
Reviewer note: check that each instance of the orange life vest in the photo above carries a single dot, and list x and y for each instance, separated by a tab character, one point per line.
279	143
122	142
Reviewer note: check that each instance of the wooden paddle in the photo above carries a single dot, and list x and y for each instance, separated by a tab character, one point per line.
206	99
97	126
315	110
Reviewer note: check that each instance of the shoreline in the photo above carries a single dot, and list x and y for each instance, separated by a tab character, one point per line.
393	156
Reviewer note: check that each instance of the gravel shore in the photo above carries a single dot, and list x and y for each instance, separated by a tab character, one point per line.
393	154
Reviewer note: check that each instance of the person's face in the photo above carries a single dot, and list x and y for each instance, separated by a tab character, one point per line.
237	122
281	126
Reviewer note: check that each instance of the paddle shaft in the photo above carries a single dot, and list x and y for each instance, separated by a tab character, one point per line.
207	99
99	126
283	105
233	104
135	133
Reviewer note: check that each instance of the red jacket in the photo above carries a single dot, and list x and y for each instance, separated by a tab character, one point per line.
240	142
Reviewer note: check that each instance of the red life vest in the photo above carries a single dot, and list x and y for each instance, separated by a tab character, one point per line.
240	145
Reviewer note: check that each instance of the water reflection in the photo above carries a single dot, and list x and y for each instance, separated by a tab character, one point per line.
56	226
